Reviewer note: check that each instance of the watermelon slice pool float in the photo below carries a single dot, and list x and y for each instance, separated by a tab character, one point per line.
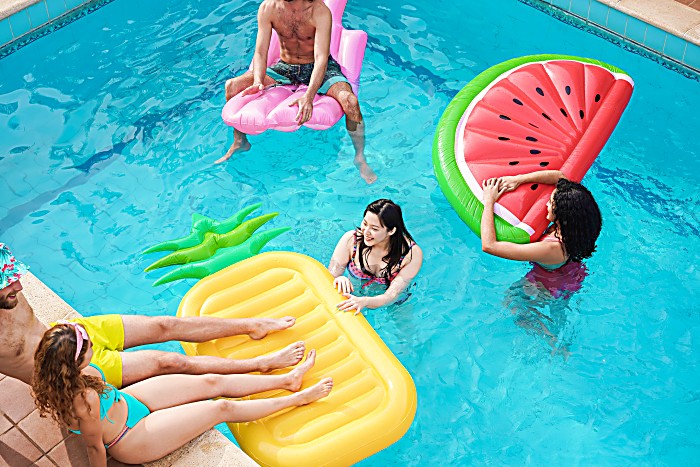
540	112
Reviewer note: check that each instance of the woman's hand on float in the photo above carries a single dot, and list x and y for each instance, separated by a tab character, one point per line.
254	89
353	302
306	108
491	190
510	183
343	285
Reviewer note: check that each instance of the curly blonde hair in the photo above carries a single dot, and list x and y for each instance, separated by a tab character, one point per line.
57	378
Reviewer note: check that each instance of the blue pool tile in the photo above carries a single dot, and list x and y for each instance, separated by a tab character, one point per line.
598	13
617	21
635	30
692	56
563	4
655	38
580	7
20	23
56	8
74	3
5	32
38	14
675	47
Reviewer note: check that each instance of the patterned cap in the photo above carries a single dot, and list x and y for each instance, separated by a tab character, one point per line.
12	269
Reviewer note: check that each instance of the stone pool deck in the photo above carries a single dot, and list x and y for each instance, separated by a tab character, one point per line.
26	439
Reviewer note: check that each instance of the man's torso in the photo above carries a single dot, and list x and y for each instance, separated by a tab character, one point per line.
20	333
296	28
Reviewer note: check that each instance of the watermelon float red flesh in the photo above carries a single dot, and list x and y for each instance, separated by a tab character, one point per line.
539	113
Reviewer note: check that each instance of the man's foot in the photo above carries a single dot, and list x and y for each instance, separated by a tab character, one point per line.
264	326
288	356
315	392
241	146
297	374
366	172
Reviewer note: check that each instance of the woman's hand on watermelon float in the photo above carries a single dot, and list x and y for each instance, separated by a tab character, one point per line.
492	190
509	182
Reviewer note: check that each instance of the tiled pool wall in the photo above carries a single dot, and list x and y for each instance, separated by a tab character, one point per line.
26	21
678	51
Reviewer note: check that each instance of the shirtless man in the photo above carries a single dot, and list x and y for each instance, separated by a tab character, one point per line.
21	331
304	30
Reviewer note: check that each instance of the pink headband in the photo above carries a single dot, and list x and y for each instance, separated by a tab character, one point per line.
80	336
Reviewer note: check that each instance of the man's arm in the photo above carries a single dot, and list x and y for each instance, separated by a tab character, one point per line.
262	44
322	49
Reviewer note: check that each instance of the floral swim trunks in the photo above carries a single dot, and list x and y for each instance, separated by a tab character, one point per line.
288	73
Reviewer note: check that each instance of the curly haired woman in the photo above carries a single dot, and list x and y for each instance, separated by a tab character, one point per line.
152	418
573	213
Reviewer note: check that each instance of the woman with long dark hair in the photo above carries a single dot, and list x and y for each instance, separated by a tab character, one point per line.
380	251
573	213
151	418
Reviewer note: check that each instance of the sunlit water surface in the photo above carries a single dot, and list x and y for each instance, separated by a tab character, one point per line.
108	131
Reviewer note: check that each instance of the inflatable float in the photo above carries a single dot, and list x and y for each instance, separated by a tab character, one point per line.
270	108
373	401
540	112
212	245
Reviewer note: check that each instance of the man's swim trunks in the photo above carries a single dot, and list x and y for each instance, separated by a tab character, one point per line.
107	336
287	73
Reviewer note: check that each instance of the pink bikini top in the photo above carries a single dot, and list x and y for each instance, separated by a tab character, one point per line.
360	274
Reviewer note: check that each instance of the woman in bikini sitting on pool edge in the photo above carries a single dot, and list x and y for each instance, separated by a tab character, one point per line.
152	418
380	251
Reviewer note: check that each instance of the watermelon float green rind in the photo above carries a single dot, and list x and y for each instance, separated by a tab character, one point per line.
467	205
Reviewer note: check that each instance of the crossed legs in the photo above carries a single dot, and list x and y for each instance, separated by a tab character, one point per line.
142	364
181	413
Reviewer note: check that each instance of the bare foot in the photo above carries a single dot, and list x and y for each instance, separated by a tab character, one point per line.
241	146
366	172
264	326
288	356
297	374
315	392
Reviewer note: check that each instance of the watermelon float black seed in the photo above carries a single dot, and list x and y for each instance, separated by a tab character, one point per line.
535	151
546	116
532	124
518	101
531	138
544	164
597	97
513	162
534	187
539	91
580	114
563	112
568	90
503	138
503	117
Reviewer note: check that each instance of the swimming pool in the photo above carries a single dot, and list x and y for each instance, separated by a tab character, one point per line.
109	128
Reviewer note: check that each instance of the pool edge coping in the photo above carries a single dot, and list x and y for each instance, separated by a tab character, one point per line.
211	449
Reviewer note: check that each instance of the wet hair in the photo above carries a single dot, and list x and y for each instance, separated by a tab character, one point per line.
390	216
578	219
57	379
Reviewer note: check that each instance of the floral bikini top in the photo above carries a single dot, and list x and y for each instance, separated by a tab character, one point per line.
360	274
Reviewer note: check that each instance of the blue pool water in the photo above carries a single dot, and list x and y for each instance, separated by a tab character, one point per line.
108	131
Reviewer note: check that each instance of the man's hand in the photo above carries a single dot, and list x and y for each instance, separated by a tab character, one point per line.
255	88
306	108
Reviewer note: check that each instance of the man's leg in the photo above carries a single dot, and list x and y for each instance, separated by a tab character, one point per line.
342	92
233	87
141	330
143	364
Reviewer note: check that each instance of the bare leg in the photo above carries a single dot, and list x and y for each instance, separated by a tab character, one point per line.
141	330
162	432
342	92
143	364
233	87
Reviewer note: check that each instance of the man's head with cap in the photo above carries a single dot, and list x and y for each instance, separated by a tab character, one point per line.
11	270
